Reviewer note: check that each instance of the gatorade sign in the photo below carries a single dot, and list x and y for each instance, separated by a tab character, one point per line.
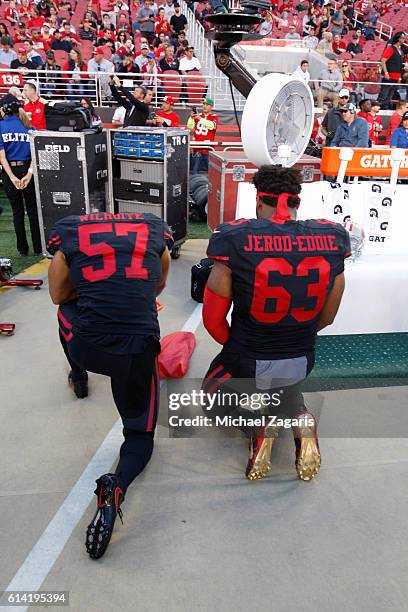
365	162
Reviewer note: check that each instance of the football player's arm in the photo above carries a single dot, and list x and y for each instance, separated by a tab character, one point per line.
60	284
165	265
217	302
331	306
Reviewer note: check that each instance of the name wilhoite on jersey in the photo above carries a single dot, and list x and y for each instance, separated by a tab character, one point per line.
239	421
261	244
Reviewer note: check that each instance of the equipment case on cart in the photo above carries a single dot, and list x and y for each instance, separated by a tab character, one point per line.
70	174
150	173
227	169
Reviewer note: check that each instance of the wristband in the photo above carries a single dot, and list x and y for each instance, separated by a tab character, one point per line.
30	170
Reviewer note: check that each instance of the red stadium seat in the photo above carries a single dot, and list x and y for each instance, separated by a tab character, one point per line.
171	82
87	49
136	40
61	57
196	88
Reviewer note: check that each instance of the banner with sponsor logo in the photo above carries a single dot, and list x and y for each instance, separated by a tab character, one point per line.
365	162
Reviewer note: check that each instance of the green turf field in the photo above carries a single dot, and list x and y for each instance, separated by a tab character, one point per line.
8	238
198	230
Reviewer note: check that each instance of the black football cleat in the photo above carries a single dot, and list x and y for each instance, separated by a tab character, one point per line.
99	531
80	387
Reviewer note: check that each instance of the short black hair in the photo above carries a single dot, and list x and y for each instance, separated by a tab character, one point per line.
277	179
304	62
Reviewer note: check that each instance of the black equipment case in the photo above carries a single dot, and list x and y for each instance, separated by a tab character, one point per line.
150	173
68	116
70	174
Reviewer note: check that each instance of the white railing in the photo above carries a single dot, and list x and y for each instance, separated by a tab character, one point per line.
383	29
188	90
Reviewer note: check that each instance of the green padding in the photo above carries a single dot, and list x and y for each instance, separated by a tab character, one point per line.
362	356
359	361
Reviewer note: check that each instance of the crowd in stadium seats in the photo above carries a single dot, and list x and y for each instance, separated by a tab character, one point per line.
358	31
74	38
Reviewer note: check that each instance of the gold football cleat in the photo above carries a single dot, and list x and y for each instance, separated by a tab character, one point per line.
259	461
308	458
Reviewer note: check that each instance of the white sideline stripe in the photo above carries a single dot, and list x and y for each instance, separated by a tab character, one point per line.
193	320
48	548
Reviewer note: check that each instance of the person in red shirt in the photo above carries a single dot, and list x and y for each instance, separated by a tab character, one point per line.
395	119
39	43
24	9
338	45
377	126
166	117
392	63
161	24
35	107
35	20
11	13
21	34
203	127
46	36
67	32
365	113
287	6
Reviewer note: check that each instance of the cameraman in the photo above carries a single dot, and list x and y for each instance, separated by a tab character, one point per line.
334	117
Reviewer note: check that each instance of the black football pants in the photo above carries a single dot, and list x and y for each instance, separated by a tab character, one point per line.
231	371
135	388
17	198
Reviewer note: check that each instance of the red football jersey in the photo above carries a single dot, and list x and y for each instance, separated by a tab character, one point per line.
36	113
201	132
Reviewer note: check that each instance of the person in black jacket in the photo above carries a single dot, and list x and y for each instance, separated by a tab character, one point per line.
22	64
51	80
137	112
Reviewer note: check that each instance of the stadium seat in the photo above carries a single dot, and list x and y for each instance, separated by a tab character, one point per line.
87	49
61	57
171	82
196	88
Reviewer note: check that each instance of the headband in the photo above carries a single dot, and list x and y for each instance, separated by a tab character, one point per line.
282	212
